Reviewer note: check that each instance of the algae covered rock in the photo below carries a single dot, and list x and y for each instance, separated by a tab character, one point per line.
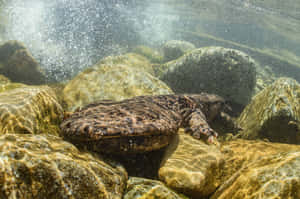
18	65
141	188
270	176
176	48
111	82
38	167
133	60
274	113
264	77
30	109
191	167
226	72
151	54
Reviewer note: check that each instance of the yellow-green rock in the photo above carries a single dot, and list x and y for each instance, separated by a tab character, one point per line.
256	169
6	84
241	153
18	65
274	113
191	166
151	54
45	166
133	60
4	80
30	109
141	188
111	82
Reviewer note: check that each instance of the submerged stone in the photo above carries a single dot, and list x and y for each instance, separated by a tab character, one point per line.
241	153
111	82
133	60
141	188
39	167
173	49
191	166
274	113
151	54
30	110
18	65
226	72
6	84
256	169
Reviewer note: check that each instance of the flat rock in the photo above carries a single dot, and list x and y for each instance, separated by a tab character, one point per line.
226	72
273	113
191	166
257	169
30	110
111	82
141	188
39	167
18	65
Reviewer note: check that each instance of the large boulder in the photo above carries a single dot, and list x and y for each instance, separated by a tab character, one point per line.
173	49
38	167
191	166
256	169
17	64
141	188
226	72
111	82
30	110
274	113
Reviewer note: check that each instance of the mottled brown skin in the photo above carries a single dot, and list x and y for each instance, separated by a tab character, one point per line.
143	123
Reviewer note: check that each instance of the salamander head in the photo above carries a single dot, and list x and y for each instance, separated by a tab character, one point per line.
210	104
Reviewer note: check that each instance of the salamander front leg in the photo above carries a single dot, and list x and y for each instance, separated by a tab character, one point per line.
198	125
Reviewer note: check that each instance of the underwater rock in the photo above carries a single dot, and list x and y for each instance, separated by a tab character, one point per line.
6	84
151	54
274	113
140	188
111	82
17	64
175	48
45	166
241	153
264	77
227	72
191	166
133	60
4	80
256	169
30	109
